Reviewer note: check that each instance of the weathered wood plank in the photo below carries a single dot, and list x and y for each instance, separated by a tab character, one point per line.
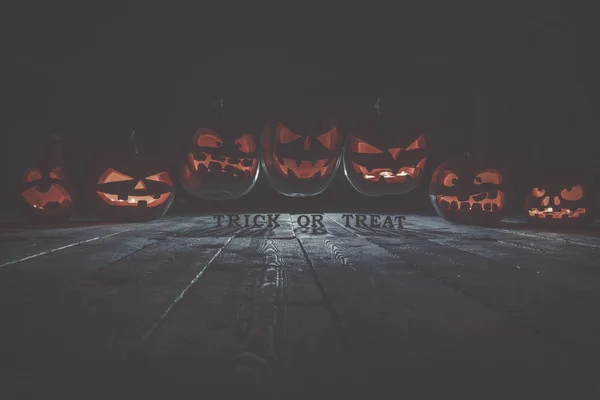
26	244
400	319
242	313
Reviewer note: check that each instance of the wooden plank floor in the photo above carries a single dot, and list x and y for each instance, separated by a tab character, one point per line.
178	308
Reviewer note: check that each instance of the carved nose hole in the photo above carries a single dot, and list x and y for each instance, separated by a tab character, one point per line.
307	144
140	185
546	200
394	152
556	201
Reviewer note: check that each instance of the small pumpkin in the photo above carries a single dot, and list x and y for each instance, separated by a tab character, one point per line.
45	193
221	158
379	159
129	186
560	201
470	191
301	149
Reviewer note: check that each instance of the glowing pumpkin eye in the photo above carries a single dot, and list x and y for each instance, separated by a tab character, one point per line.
245	143
489	176
57	173
285	135
538	192
329	139
449	178
417	144
32	175
207	138
360	146
112	175
574	194
161	177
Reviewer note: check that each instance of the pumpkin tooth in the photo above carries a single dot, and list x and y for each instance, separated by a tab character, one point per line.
487	206
454	205
476	207
494	207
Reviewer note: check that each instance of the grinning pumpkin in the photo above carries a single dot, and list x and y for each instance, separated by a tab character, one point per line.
301	151
379	159
559	201
221	159
132	187
45	194
467	191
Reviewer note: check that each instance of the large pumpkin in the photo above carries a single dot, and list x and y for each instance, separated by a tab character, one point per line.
469	191
382	158
301	149
220	160
129	186
44	192
560	201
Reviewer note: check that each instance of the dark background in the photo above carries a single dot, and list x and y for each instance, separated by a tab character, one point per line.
515	84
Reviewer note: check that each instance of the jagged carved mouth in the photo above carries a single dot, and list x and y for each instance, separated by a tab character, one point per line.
386	174
55	195
243	168
304	169
486	201
550	213
134	201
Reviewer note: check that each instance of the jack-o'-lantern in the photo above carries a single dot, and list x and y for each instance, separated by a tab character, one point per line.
221	159
380	159
559	201
468	191
301	151
45	194
132	187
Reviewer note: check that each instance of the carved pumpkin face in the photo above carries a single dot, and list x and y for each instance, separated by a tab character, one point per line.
559	201
47	192
384	166
220	165
301	156
133	188
469	192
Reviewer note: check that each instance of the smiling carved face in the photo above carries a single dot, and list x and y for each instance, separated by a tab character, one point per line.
133	188
220	165
464	191
301	160
559	202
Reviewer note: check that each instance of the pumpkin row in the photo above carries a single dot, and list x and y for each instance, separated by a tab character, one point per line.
300	154
134	187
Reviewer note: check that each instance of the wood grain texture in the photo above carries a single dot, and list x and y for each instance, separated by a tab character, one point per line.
180	306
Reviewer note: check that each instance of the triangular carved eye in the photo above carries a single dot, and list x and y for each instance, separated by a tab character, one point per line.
360	146
284	135
161	177
329	139
112	175
417	144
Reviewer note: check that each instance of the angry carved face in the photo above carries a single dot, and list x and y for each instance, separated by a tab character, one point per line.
379	166
219	165
464	191
301	160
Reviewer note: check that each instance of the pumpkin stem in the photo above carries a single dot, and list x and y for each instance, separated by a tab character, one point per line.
377	106
135	148
56	137
222	106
